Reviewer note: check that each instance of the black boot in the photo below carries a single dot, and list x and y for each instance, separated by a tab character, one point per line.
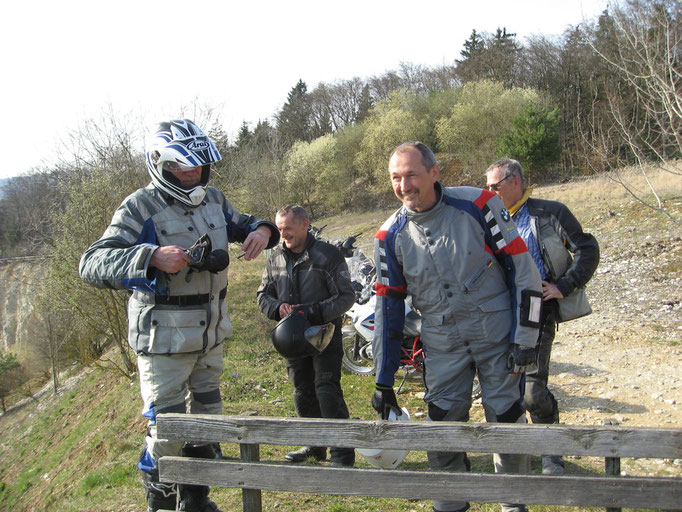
342	457
194	498
316	452
160	496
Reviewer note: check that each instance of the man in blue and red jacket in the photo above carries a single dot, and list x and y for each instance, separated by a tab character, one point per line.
459	256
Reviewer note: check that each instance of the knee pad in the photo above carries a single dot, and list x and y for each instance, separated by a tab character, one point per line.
512	414
545	417
457	413
208	397
200	451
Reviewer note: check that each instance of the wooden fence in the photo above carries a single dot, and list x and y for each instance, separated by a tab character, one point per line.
253	476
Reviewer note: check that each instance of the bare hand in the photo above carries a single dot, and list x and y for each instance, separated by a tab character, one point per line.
256	242
550	291
169	258
286	308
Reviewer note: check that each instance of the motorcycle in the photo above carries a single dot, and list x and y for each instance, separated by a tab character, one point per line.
358	328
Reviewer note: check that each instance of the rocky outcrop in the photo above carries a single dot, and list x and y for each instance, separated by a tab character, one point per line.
17	289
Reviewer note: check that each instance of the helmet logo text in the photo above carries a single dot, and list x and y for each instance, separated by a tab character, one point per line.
198	145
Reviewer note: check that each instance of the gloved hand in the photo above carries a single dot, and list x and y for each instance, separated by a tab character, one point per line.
215	261
312	313
202	257
520	358
303	308
383	399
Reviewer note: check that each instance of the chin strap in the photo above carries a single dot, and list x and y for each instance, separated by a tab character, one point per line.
521	201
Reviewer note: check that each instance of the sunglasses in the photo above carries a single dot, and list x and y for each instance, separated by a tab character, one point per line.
496	186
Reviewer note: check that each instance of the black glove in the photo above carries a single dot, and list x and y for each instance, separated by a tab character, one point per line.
199	250
312	313
383	400
215	262
520	357
303	308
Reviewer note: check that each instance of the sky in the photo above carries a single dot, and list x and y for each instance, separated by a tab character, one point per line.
146	61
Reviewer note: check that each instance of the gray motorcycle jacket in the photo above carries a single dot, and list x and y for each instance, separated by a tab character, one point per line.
180	313
318	277
464	264
558	231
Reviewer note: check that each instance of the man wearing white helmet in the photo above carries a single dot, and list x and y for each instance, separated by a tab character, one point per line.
167	245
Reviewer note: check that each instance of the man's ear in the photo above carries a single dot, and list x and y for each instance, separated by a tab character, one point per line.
435	171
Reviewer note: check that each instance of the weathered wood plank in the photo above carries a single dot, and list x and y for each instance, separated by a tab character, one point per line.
647	492
251	498
602	441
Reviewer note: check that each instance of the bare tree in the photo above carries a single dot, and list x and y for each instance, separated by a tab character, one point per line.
644	123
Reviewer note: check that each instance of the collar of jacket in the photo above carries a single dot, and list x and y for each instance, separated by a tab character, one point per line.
426	214
522	201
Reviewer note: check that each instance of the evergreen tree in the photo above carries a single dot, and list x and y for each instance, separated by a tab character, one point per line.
534	138
473	46
293	121
244	136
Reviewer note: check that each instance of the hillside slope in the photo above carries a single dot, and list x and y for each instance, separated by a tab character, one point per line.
623	363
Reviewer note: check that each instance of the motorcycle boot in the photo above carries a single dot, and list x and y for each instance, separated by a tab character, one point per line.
318	453
160	496
552	464
194	498
342	457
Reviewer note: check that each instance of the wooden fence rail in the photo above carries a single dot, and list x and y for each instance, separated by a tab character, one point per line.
252	475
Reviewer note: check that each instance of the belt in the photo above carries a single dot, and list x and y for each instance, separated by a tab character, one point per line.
187	300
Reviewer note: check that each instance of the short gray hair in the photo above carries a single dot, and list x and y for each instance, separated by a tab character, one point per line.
296	210
428	158
510	167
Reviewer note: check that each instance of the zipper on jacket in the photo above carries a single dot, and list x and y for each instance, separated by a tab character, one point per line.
469	284
548	261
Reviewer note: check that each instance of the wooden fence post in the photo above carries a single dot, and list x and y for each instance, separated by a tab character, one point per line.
612	468
251	498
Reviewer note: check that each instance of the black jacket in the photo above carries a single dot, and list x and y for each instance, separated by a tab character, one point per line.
553	219
318	278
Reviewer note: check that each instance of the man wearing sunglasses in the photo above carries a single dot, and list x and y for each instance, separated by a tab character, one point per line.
566	258
167	245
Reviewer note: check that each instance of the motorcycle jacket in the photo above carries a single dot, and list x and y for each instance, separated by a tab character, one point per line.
179	313
467	270
318	278
558	232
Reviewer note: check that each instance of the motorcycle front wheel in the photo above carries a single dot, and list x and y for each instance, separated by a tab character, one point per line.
357	355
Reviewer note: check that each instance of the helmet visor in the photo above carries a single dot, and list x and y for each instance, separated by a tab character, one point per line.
319	336
177	167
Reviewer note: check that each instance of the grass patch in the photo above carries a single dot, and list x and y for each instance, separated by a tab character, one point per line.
115	476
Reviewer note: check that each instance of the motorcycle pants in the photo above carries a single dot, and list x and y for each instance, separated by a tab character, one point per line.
317	390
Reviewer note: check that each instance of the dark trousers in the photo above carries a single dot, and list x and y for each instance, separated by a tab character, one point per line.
538	400
317	387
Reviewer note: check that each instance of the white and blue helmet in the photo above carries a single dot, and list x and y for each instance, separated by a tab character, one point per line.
387	458
183	143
